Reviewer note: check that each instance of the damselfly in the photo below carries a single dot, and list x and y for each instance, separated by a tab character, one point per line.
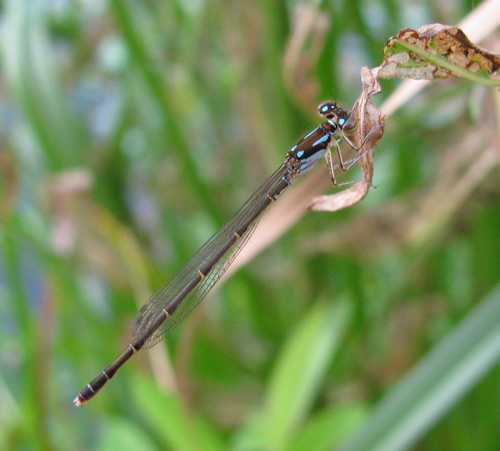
188	286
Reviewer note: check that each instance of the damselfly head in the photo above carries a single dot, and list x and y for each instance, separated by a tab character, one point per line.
327	109
333	113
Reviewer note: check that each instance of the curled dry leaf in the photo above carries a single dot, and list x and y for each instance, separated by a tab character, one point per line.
364	128
437	51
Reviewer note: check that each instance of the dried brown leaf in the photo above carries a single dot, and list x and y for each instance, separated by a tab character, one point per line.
437	51
365	128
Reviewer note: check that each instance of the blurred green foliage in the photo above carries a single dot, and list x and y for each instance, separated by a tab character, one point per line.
131	130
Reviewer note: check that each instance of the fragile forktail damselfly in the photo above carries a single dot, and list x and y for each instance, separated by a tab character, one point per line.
188	286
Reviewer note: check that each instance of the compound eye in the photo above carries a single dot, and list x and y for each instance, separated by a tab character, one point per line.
327	109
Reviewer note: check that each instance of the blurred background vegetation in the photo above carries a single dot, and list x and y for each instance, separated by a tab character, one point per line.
130	131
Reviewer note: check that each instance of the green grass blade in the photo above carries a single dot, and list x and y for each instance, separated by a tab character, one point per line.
170	421
328	428
436	384
300	370
125	435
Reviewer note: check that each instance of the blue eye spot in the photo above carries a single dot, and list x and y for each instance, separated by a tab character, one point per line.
300	154
342	121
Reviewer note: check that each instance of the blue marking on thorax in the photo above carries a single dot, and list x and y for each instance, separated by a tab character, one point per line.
309	134
322	140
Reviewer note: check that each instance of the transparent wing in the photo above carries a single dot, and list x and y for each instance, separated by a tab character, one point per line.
213	259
